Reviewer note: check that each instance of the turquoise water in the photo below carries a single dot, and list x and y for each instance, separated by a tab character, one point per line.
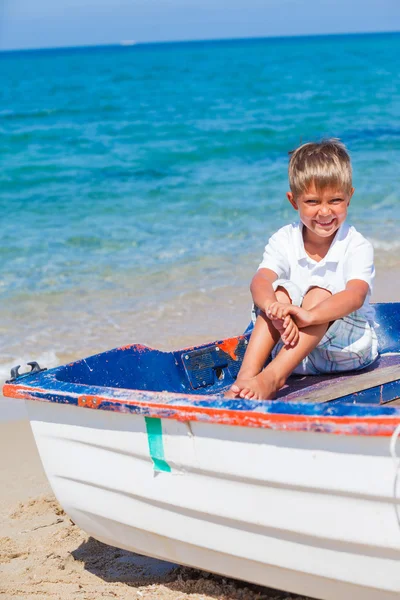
140	184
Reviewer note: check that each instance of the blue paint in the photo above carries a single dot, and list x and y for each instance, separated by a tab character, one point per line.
156	444
48	385
136	375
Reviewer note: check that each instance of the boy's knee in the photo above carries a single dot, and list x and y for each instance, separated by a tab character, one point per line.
315	296
282	295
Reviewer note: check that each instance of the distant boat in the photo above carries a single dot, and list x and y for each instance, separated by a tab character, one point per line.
128	43
301	494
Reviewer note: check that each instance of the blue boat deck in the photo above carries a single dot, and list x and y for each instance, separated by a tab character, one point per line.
211	368
188	385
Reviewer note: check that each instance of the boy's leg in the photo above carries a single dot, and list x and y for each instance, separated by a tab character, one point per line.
273	377
262	340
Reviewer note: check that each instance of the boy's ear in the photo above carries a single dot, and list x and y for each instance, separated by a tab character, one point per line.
292	200
351	195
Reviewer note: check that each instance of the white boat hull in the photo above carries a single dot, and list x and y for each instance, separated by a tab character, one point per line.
312	513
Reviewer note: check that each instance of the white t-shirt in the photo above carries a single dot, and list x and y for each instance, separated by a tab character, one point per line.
350	256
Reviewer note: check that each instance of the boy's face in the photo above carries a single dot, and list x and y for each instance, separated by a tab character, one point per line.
322	211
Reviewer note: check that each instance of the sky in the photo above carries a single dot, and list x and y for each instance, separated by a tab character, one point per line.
53	23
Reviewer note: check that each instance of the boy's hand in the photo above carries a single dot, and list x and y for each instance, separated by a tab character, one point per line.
276	310
290	335
283	324
302	317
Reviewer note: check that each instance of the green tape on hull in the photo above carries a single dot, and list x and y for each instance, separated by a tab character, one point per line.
156	445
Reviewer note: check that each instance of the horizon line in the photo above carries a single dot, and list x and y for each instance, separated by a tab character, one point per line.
130	44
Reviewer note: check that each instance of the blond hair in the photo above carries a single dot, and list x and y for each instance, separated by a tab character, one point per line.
325	164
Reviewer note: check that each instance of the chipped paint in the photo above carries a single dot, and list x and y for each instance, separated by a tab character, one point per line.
345	419
136	347
229	346
108	385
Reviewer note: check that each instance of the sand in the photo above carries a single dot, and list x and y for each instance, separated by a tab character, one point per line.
43	555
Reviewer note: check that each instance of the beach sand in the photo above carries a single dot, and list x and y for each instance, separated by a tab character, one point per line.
43	555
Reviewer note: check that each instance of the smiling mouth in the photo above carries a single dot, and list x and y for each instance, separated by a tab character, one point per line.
325	224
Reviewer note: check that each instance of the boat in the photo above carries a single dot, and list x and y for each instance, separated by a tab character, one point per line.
301	494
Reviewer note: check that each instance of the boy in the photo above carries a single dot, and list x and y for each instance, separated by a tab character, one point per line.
311	291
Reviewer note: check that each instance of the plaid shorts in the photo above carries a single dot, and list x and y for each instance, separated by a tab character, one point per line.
349	344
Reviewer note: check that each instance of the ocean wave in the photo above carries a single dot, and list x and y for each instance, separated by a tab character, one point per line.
51	113
385	246
372	133
40	113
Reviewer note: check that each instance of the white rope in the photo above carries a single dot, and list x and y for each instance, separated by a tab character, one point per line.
393	441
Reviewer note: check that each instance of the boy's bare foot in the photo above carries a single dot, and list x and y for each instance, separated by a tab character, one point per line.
232	394
234	390
261	387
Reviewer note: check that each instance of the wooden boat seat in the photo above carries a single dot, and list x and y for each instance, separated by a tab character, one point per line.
378	384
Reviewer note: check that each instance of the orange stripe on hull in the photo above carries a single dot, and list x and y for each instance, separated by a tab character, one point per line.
375	426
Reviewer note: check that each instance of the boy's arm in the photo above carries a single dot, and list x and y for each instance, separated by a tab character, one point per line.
262	290
341	304
337	306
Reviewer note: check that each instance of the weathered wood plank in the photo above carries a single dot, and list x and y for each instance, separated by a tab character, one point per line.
351	385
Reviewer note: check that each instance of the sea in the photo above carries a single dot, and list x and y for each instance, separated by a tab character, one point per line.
139	184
